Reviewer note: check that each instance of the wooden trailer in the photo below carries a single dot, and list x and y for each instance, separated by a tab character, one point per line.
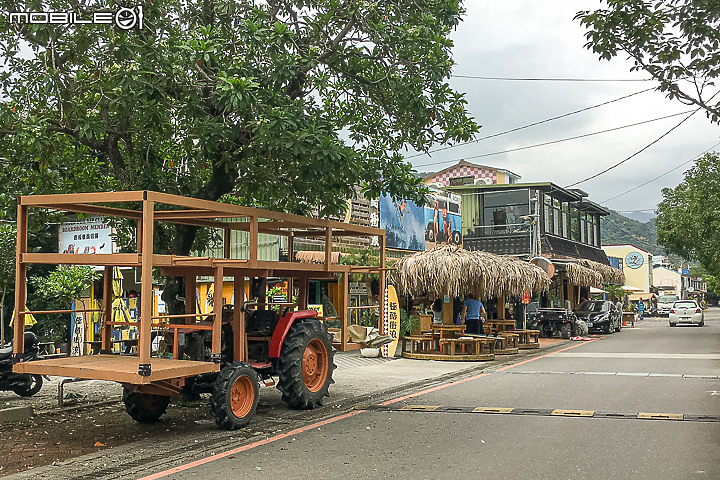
143	372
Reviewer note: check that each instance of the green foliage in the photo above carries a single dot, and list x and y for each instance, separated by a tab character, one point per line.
408	323
282	105
677	42
66	283
615	292
689	215
370	318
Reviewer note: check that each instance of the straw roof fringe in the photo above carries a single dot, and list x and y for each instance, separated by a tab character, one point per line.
451	270
609	274
583	276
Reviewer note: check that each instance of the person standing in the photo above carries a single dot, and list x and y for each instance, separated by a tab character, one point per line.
437	309
473	314
640	309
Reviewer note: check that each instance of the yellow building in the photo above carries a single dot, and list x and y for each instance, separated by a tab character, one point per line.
636	265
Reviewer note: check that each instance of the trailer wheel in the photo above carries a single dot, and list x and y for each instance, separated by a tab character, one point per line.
581	328
235	396
565	330
306	365
31	387
144	407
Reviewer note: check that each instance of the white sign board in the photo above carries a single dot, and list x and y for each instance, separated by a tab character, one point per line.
90	235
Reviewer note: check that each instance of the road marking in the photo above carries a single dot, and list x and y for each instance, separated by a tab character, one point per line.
491	410
573	413
668	356
713	392
619	374
545	412
660	416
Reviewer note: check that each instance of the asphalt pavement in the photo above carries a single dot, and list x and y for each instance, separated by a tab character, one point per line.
369	428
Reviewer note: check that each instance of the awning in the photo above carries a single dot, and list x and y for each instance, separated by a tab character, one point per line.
316	256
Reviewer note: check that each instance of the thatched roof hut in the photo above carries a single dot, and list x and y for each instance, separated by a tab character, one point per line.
609	274
583	276
450	270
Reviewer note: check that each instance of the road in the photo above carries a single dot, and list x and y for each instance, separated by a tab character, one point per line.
445	428
651	369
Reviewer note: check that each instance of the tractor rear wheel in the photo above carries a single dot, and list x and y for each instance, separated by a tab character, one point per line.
235	396
144	407
306	365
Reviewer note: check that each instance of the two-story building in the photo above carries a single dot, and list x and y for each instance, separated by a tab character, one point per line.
531	219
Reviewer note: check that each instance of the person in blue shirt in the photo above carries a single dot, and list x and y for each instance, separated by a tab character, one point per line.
473	314
641	309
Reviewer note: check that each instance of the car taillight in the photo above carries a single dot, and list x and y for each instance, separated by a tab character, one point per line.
698	311
672	310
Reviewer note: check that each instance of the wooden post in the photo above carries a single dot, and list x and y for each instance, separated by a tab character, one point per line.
303	294
253	244
291	247
344	312
107	308
217	310
20	282
146	290
226	243
139	236
328	248
239	340
501	306
190	298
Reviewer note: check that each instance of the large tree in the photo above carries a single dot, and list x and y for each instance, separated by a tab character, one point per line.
688	219
677	42
284	105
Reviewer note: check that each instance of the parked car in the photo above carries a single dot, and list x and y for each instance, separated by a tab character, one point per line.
665	303
600	315
686	311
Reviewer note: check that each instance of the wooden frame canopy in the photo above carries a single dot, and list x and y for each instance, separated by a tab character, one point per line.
148	207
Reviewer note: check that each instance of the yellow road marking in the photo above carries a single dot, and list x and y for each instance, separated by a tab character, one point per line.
421	408
492	410
661	416
573	413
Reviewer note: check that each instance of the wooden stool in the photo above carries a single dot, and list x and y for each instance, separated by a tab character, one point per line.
420	341
528	339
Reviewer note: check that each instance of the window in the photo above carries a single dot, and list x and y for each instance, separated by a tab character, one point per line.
503	210
462	181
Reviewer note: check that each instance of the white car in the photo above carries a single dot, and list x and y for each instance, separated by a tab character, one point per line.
686	311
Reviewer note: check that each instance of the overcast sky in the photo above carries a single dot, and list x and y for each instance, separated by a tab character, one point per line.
527	38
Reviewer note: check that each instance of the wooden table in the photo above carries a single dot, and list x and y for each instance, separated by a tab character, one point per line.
501	325
477	342
445	331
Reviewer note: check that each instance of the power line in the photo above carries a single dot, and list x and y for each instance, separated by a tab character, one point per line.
555	141
531	124
550	79
660	176
636	153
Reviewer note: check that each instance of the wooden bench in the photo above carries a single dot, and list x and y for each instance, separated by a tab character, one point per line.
509	344
528	339
478	343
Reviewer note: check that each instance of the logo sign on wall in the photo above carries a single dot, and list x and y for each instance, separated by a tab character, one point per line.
634	260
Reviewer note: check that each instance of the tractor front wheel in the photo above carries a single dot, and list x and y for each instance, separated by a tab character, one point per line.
306	365
235	396
144	407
